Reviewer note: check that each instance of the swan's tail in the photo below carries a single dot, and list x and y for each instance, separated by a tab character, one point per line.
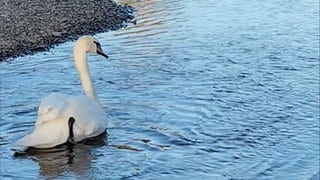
23	144
31	140
50	134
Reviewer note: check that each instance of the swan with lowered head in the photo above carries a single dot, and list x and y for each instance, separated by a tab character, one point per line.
55	112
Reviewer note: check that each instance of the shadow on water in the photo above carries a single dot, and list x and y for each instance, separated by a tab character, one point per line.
74	158
54	162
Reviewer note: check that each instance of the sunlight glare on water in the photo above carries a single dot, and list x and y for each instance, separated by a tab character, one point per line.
198	89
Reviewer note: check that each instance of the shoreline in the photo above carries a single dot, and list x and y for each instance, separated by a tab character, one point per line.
35	26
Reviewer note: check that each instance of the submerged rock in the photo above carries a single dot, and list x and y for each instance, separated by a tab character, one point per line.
30	26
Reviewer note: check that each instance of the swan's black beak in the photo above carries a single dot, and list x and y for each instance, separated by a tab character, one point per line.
100	52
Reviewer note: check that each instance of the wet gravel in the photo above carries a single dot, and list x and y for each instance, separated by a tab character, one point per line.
28	26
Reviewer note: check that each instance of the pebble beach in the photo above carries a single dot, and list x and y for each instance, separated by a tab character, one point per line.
29	26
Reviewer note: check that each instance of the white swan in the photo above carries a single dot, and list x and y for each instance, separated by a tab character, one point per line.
55	110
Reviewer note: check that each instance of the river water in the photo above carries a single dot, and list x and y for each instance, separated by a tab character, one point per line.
196	89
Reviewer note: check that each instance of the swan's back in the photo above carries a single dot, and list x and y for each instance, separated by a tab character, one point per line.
50	107
51	128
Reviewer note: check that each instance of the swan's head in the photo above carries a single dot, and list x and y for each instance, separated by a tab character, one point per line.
89	44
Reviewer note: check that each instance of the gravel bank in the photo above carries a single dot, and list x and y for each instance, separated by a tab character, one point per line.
28	26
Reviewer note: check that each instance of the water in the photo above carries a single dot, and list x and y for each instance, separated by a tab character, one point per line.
197	89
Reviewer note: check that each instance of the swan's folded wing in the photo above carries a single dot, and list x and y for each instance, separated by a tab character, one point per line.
50	108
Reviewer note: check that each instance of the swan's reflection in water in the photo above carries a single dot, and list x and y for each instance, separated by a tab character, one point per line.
56	161
77	159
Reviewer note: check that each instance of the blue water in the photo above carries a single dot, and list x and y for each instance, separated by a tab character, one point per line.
196	89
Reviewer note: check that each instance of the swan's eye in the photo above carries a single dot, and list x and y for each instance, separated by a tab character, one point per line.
97	44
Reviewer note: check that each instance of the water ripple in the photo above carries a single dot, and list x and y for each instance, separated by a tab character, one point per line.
206	89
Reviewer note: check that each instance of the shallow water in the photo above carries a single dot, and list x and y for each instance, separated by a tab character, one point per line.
208	89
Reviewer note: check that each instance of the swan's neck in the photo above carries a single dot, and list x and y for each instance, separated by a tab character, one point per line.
84	73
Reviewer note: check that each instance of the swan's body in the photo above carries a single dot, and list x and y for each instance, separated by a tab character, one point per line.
51	128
